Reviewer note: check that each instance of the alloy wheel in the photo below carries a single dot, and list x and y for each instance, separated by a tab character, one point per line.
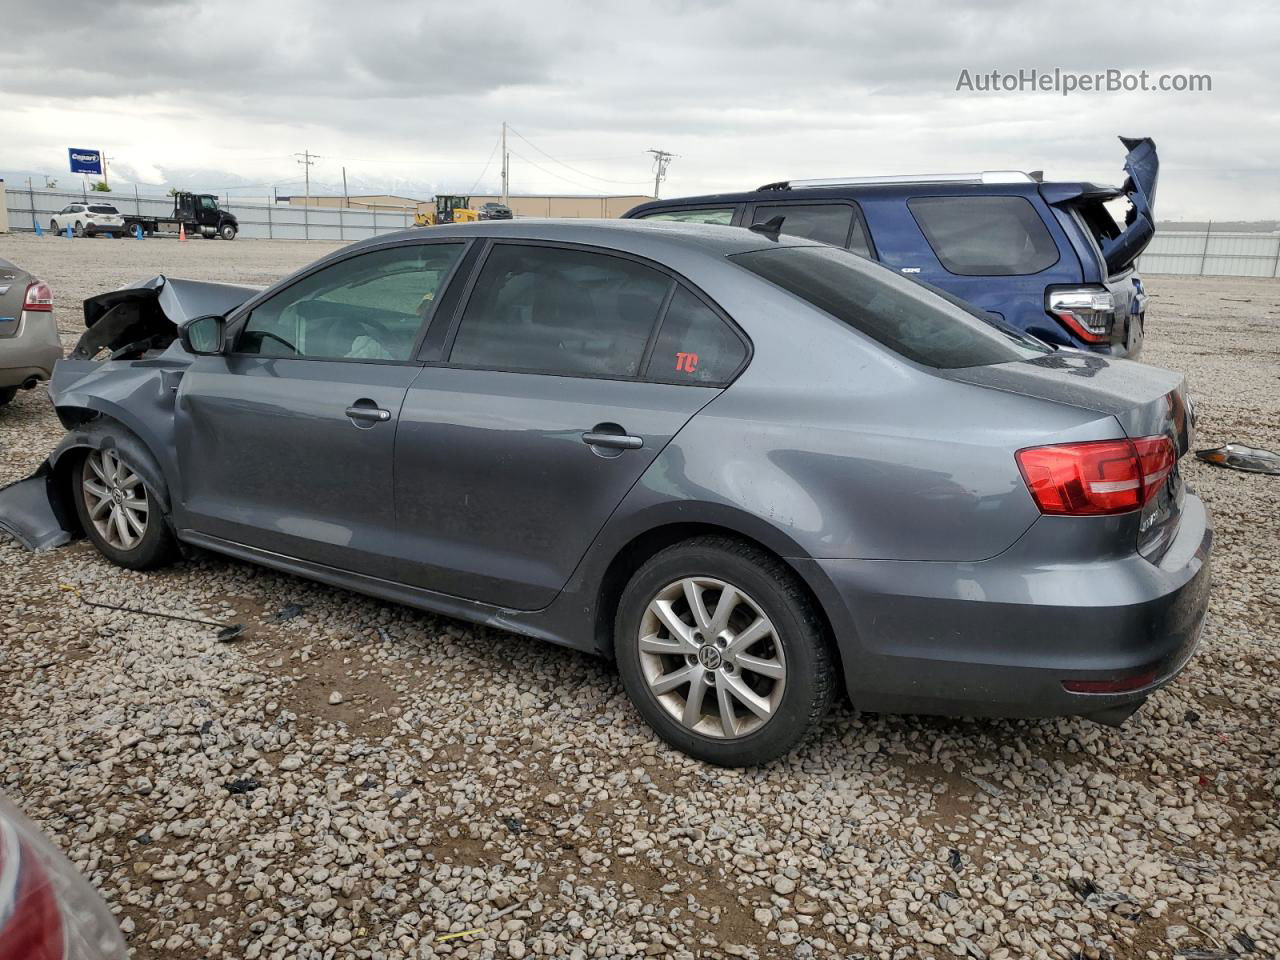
115	499
712	658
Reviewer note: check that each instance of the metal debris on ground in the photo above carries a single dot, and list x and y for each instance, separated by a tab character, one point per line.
244	785
1239	457
225	633
953	859
986	786
287	613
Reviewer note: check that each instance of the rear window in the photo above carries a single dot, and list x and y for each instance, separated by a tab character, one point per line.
722	216
902	315
102	208
985	236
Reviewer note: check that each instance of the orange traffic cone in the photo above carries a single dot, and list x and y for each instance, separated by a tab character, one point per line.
182	233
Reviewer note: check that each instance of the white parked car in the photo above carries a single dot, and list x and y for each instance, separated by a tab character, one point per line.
88	219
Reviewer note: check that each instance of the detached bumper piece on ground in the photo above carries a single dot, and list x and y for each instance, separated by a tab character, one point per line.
751	468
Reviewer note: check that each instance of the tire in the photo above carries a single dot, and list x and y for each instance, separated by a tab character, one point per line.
227	231
79	229
791	679
127	523
53	227
7	394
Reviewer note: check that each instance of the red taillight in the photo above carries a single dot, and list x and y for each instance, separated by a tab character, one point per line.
1122	685
30	919
1100	477
39	297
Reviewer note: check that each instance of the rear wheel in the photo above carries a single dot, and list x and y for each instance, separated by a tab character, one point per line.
79	229
120	513
722	652
53	226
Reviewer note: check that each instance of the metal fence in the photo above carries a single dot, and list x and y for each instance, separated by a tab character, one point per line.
1212	253
262	220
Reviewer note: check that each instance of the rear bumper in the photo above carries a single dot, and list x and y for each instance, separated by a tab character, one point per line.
1000	637
31	352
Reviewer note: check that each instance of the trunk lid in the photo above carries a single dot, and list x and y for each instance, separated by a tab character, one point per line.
1146	401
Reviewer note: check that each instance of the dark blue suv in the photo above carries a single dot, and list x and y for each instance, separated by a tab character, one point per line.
1047	258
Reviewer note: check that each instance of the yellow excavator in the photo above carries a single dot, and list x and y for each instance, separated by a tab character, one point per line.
450	208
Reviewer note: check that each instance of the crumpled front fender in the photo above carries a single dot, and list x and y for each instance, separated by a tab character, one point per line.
36	514
40	512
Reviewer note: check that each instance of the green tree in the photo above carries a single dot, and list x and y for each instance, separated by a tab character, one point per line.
101	187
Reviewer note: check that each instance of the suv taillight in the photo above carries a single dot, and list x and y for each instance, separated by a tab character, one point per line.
39	297
1088	312
1100	477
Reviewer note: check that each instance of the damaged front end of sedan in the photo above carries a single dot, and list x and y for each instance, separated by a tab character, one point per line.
124	371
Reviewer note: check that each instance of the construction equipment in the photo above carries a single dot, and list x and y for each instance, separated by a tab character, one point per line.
450	208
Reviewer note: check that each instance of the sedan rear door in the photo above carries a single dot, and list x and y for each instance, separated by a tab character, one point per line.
566	373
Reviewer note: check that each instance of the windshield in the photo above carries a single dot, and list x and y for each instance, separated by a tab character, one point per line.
904	316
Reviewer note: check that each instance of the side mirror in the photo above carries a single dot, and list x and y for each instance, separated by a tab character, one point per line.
203	335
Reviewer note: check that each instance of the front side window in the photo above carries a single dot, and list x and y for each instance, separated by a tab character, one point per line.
208	203
985	236
694	344
369	307
900	314
721	216
559	311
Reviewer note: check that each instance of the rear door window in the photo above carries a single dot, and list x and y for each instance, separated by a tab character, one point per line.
695	345
833	223
985	236
560	311
900	314
722	216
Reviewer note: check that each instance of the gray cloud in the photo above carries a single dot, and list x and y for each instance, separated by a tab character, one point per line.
743	90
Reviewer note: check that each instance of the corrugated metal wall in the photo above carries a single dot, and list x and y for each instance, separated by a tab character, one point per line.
1213	254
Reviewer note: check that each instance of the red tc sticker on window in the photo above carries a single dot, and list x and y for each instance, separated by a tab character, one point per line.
686	362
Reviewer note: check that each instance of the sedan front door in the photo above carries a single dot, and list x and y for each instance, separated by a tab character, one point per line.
285	443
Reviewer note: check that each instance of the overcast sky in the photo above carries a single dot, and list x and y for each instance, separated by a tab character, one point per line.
409	96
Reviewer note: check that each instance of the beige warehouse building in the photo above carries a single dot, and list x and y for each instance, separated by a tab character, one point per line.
561	206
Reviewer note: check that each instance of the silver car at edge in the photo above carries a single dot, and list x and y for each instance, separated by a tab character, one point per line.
29	343
753	469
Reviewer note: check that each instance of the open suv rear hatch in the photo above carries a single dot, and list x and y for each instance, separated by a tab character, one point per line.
1112	310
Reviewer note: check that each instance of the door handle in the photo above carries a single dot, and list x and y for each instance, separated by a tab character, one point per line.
616	441
368	414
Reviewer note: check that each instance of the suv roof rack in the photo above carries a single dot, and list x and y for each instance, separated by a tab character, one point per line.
986	176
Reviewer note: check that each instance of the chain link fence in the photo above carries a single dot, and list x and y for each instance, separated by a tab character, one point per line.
1213	253
29	206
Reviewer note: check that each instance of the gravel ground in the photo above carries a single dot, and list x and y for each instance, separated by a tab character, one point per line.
354	779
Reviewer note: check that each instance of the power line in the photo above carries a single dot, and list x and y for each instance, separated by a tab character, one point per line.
486	166
552	173
592	176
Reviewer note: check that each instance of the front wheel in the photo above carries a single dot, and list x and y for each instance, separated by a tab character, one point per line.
722	652
53	226
120	513
228	231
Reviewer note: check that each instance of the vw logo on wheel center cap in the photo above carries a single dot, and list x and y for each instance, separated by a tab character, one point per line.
709	656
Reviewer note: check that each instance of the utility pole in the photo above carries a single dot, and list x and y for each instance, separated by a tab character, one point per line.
346	200
307	159
506	166
105	158
661	159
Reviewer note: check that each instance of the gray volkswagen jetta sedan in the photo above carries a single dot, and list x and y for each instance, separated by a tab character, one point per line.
753	469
